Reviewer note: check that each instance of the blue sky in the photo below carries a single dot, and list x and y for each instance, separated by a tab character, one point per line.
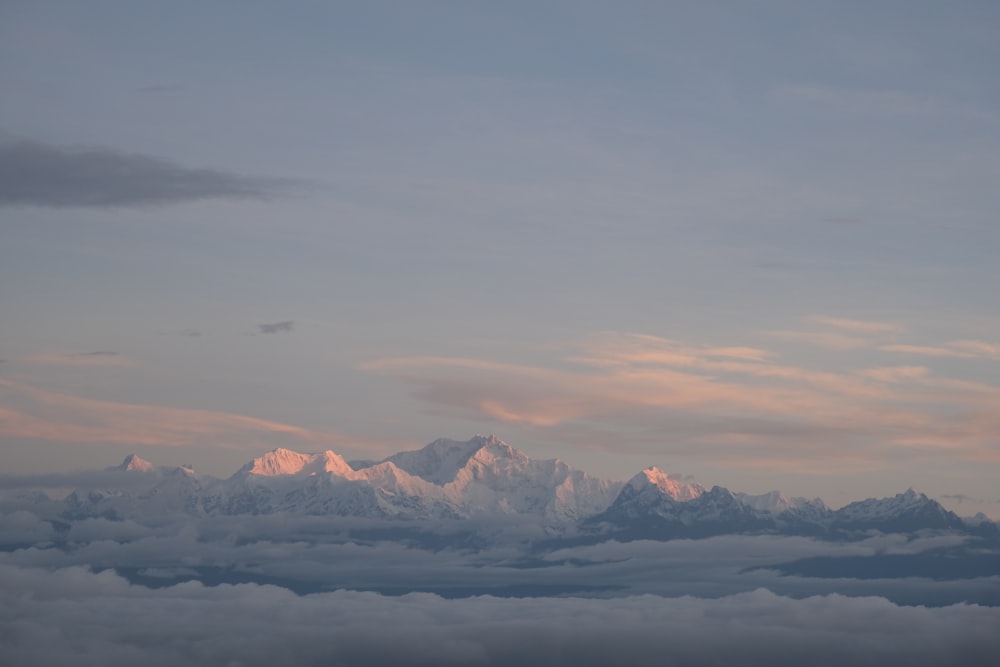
750	242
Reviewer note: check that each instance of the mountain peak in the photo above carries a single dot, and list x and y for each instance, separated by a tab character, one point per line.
278	461
283	461
328	461
906	510
135	463
665	484
440	461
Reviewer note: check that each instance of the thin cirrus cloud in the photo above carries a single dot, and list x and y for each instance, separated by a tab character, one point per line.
286	326
748	409
839	333
93	358
865	326
33	173
30	412
959	349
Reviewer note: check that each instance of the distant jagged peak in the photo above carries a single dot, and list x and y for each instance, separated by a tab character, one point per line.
664	483
908	502
772	501
328	462
278	461
492	448
441	460
134	463
281	461
388	475
777	502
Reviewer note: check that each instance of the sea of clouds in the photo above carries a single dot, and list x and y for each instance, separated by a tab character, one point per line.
73	616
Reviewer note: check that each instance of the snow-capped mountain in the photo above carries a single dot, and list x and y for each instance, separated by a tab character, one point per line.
485	477
451	479
776	502
652	483
652	505
134	463
138	488
323	483
903	512
281	462
645	509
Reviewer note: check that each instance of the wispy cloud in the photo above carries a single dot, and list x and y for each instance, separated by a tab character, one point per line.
744	406
38	174
31	412
962	349
977	348
839	333
93	358
835	340
864	326
893	374
924	350
277	327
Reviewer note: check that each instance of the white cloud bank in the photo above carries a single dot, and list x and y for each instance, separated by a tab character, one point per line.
75	617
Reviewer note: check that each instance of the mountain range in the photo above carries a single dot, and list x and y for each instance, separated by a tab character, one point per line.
485	477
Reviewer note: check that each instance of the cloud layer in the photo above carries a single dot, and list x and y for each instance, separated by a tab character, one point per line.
30	412
286	326
75	617
38	174
743	403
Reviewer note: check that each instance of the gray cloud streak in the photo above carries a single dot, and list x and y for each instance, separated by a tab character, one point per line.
37	174
277	327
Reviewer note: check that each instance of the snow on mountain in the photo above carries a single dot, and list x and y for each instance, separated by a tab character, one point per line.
134	463
652	505
651	493
786	510
903	512
486	477
483	476
773	501
324	483
287	462
143	489
654	478
440	461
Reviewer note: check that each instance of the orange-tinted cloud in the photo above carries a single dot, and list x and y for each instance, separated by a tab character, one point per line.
743	407
30	412
839	333
961	349
858	326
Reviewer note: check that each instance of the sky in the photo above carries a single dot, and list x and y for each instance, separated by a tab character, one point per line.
750	243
